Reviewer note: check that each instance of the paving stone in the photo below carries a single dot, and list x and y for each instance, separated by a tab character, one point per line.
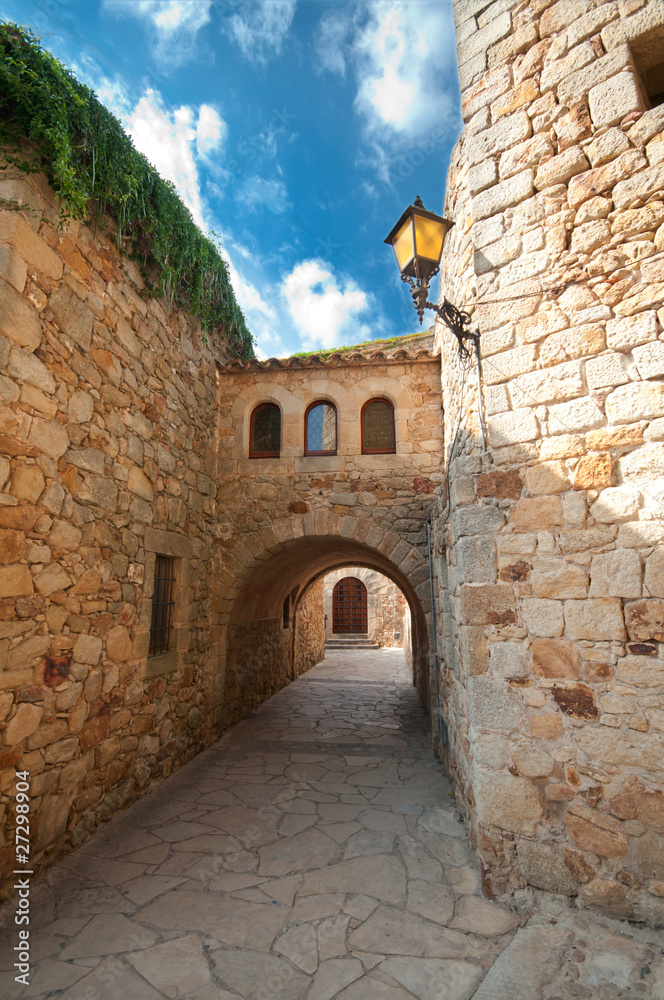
368	988
176	968
109	934
257	977
382	877
435	902
480	916
394	932
424	977
110	980
231	921
332	976
311	849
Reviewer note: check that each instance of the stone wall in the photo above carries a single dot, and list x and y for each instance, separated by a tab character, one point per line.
264	656
553	670
288	520
387	607
108	456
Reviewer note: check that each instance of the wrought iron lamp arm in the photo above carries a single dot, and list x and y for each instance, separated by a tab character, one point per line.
455	319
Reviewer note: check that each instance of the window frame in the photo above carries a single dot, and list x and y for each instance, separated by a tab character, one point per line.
378	451
166	631
307	451
263	454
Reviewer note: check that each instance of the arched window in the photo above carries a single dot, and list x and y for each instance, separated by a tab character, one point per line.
378	436
320	429
265	432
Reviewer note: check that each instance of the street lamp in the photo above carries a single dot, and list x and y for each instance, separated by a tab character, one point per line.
417	241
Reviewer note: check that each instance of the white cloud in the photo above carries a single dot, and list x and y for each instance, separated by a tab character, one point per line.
211	130
324	309
169	140
403	53
261	27
404	62
331	42
272	194
175	24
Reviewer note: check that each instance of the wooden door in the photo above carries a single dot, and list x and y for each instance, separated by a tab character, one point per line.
349	606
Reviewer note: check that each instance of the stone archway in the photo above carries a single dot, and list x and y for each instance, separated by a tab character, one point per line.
286	559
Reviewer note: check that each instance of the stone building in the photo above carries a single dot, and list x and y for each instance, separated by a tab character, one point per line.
387	615
549	544
144	469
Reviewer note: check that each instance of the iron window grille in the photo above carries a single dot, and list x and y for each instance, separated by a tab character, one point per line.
377	427
265	431
161	627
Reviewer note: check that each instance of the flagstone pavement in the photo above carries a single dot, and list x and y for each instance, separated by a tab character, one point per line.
314	852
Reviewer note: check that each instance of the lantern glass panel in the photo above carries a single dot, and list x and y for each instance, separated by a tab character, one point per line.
403	244
429	235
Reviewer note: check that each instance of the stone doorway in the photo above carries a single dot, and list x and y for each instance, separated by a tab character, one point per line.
349	606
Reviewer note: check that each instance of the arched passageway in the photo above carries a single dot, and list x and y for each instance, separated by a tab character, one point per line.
262	654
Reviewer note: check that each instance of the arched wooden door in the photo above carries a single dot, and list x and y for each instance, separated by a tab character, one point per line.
349	606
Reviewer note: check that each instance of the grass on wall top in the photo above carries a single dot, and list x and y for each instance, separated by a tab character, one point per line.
91	163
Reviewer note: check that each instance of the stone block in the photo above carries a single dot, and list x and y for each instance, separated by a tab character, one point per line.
476	560
503	195
87	649
546	726
593	471
578	84
16	232
507	802
492	705
513	427
98	491
537	514
607	370
524	155
531	761
80	407
476	520
555	658
490	86
617	503
19	320
474	652
639	187
52	579
509	659
577	415
654	576
615	98
616	574
48	437
576	700
629	331
542	866
645	464
649	359
595	618
602	179
26	367
542	617
488	604
13	268
645	620
508	364
548	385
15	581
24	723
559	169
607	146
504	485
556	579
595	832
591	236
72	316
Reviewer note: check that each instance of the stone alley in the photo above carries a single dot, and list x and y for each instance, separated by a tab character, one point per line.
313	852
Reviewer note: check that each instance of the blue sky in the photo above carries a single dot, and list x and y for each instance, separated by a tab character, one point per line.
295	130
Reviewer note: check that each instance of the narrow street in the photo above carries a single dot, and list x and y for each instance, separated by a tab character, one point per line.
313	852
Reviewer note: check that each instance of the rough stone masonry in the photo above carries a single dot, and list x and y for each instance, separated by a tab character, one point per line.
551	563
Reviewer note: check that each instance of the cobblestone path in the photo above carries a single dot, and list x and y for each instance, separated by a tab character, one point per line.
312	853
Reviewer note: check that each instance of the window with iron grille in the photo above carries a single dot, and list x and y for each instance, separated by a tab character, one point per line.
161	627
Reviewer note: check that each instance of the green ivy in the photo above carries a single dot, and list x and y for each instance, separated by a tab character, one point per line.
91	163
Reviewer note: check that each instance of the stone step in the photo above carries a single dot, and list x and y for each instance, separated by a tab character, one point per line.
351	644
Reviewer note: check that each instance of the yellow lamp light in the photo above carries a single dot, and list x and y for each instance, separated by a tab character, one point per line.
417	241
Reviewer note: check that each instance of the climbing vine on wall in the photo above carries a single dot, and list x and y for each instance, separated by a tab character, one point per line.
92	165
